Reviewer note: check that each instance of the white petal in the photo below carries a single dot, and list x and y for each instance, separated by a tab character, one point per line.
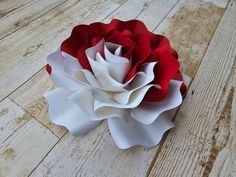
130	133
117	70
87	77
92	51
93	81
71	64
85	100
113	58
113	72
118	66
100	59
66	113
118	51
142	78
104	78
64	81
56	60
148	112
134	100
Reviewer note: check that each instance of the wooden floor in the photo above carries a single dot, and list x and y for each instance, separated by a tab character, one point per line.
202	144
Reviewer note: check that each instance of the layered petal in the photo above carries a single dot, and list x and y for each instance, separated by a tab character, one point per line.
66	113
85	100
128	133
55	61
62	80
148	112
140	79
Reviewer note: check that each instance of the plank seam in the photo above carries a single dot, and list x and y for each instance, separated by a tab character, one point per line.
167	14
90	153
46	154
8	96
14	131
34	118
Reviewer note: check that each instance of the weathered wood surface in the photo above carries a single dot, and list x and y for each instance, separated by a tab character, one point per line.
23	141
203	142
189	24
16	14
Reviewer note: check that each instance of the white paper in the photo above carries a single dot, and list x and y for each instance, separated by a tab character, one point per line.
130	133
147	113
66	113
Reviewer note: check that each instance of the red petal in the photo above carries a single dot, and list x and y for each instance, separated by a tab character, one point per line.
49	69
83	58
121	40
164	70
139	56
79	40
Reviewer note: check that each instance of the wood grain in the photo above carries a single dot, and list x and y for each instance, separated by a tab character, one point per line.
21	152
149	11
203	142
16	14
23	141
12	117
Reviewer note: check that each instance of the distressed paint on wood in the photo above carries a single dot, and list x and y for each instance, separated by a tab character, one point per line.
16	14
24	149
203	143
23	141
12	117
149	11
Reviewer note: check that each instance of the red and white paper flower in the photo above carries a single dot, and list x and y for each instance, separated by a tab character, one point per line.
120	72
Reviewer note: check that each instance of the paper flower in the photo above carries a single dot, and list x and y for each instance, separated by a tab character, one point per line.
120	72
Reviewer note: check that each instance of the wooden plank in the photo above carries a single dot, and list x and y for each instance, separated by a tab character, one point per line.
15	14
225	161
11	5
12	117
23	141
25	54
104	153
203	142
149	11
24	149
